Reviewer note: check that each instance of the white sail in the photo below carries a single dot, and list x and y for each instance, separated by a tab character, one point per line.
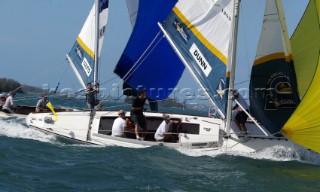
200	33
82	55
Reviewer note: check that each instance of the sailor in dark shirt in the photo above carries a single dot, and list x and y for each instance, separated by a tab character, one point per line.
90	96
137	116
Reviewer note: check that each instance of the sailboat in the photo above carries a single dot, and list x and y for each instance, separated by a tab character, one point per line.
203	35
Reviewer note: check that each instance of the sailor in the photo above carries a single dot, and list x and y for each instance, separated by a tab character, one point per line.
241	116
2	99
42	104
9	106
162	133
137	116
90	96
119	125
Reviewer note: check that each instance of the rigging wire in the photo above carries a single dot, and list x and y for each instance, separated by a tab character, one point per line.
242	82
143	57
38	75
60	80
107	81
153	44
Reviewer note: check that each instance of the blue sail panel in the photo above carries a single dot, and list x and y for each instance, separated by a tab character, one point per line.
148	60
273	93
207	67
83	62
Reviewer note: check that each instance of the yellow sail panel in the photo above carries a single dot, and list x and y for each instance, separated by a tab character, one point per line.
272	57
199	35
305	46
303	127
86	48
203	18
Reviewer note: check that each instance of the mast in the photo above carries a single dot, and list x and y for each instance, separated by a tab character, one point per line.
96	43
232	63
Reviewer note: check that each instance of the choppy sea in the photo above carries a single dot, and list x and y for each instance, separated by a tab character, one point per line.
33	161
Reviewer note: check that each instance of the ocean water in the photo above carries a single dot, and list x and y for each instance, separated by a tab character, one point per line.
33	161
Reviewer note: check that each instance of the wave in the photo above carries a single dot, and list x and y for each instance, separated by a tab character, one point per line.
275	153
15	128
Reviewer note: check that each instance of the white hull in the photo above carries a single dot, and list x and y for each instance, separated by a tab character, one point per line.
201	133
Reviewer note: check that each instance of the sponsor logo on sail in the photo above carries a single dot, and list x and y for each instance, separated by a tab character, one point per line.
200	59
180	27
79	52
86	67
279	93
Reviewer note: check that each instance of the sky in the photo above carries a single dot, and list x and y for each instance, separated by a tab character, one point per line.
35	36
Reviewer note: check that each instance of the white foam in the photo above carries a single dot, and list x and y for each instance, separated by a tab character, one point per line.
275	153
282	153
200	152
12	128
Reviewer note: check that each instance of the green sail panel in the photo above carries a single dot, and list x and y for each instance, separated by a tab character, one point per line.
303	127
306	54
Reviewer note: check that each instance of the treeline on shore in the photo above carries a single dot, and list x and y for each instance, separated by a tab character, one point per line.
7	85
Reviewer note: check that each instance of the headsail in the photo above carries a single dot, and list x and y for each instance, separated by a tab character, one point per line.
133	6
148	61
273	91
200	31
303	127
82	56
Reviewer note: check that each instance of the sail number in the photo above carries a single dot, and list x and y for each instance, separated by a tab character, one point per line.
226	14
86	67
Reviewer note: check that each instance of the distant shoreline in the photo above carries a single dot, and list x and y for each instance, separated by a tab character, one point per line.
7	85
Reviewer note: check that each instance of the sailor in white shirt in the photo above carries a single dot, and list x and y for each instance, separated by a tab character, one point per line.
9	106
162	133
119	125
